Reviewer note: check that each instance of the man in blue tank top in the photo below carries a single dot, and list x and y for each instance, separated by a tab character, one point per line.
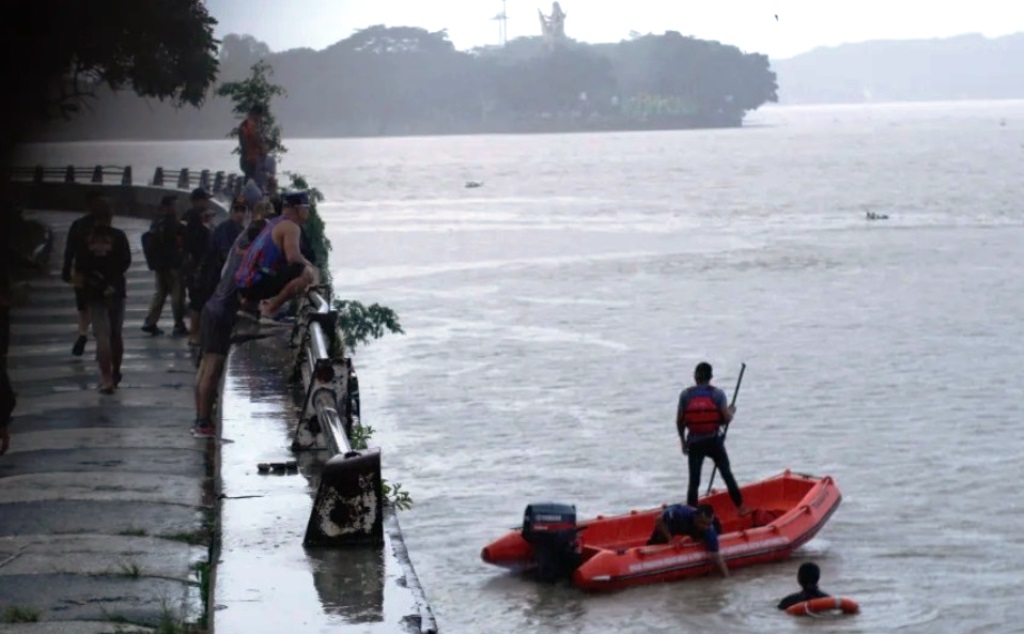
274	269
702	413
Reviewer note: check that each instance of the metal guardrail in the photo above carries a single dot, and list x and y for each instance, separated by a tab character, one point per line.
227	184
349	504
71	174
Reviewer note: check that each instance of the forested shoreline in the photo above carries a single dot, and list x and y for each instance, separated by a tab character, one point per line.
406	81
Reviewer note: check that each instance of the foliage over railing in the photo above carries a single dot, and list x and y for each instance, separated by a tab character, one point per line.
256	90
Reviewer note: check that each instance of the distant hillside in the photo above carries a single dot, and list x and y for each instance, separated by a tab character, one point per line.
961	67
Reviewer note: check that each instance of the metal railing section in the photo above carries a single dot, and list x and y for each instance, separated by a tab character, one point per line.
220	182
349	504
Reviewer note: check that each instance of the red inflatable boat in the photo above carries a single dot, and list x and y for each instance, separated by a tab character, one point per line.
610	553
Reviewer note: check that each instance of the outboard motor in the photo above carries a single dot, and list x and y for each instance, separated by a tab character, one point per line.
550	528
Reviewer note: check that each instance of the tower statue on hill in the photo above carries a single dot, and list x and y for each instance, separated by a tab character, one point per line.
553	26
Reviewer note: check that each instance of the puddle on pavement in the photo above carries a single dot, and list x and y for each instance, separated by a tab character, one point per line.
266	581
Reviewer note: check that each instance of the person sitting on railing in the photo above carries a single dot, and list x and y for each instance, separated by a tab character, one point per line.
216	324
274	269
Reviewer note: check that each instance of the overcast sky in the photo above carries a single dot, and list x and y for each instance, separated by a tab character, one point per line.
749	24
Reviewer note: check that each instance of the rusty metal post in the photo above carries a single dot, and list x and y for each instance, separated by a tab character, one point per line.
158	177
69	174
349	504
126	178
183	178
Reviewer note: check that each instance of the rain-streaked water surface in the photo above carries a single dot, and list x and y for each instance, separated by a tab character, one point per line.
553	314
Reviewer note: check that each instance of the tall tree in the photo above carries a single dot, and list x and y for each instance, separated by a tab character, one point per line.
58	52
256	90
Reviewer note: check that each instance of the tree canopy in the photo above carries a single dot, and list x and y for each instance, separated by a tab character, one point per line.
409	80
61	52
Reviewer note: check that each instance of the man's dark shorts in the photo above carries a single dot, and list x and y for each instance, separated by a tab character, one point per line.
270	285
215	332
81	301
199	293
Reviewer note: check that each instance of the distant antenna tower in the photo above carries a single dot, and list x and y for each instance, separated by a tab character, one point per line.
502	19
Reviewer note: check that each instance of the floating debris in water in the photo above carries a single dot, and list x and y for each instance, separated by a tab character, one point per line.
292	466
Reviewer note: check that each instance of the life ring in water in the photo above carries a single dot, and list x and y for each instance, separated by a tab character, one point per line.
824	604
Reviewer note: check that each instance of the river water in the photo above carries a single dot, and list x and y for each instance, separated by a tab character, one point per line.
553	313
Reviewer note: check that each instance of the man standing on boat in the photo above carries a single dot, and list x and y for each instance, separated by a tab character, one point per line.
702	415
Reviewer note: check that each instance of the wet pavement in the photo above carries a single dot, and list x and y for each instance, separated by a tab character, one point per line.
109	509
107	503
266	580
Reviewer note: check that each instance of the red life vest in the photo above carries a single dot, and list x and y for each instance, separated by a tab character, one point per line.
702	416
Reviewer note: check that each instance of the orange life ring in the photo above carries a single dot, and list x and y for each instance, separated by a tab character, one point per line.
824	604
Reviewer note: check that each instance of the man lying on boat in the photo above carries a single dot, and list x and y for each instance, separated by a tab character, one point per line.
698	523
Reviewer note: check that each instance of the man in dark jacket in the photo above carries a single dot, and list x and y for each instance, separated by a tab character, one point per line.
197	240
169	255
11	259
79	229
103	258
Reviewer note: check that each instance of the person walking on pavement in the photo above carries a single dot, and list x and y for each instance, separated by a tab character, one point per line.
104	256
168	250
79	229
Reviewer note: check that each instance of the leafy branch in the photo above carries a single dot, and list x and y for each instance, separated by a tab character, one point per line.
393	493
256	90
359	324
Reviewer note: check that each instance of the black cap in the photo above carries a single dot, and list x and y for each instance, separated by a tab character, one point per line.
199	193
168	200
702	372
296	197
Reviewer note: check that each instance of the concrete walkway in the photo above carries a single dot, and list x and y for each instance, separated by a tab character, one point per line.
108	506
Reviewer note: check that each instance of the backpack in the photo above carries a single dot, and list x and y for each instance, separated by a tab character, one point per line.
149	249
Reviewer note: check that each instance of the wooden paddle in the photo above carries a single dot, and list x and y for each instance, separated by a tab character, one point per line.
743	366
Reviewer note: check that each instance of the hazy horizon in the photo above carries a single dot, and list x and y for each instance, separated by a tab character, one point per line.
781	30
